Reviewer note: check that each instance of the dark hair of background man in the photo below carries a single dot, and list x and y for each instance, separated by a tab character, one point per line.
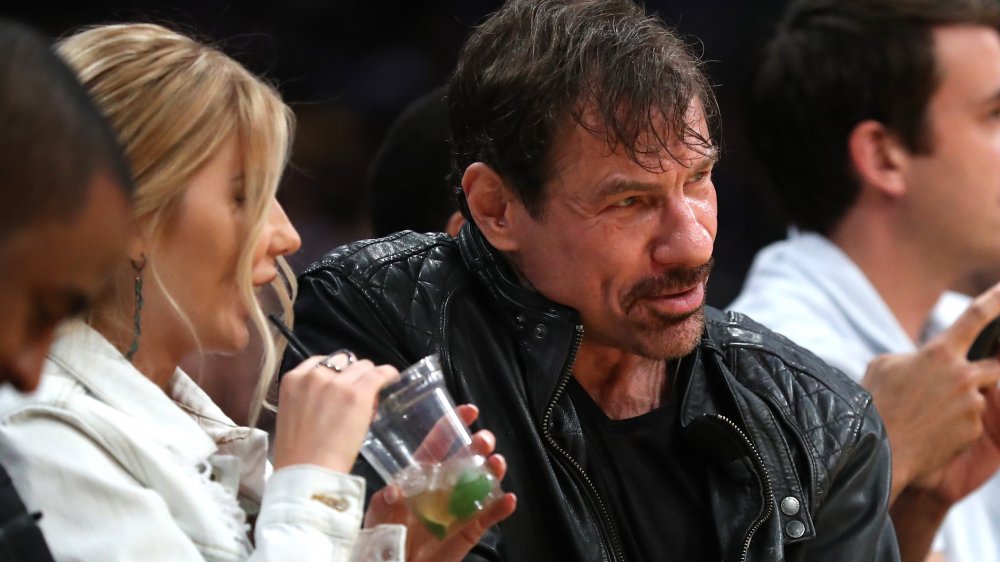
349	68
832	65
54	140
407	184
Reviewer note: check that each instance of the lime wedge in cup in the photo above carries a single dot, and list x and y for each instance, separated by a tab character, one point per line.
431	508
436	529
472	487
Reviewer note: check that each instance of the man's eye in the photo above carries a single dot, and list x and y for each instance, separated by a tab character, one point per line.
43	318
626	202
47	314
701	176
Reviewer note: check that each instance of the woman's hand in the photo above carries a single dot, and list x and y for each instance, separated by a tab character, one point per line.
324	411
387	506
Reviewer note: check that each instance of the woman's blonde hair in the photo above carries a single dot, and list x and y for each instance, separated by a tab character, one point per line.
173	102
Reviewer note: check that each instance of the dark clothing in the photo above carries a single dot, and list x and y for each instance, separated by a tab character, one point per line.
20	537
653	483
773	424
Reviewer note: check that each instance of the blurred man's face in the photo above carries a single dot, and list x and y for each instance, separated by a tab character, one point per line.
628	246
953	191
53	269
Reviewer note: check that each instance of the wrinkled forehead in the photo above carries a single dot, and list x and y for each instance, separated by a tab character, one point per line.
655	144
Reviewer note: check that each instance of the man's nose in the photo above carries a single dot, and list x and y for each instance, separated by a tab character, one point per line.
25	368
687	234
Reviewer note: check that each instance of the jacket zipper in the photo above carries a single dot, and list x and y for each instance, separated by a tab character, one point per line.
616	550
767	486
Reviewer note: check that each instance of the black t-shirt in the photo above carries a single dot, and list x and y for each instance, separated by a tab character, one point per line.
20	536
652	485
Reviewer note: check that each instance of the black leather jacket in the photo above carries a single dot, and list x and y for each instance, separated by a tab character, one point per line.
20	538
799	461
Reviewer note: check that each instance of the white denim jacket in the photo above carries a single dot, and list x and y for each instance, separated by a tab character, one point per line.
124	471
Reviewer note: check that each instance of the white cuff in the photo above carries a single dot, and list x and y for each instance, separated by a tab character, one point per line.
332	502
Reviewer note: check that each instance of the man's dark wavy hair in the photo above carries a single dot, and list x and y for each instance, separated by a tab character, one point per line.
831	65
535	67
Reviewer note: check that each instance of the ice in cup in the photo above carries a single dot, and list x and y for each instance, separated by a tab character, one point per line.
418	442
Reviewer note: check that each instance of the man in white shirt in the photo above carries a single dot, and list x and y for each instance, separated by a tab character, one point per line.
879	123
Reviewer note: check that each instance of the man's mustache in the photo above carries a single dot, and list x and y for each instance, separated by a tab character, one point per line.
671	281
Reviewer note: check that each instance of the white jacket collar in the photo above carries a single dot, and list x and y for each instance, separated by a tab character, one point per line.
186	420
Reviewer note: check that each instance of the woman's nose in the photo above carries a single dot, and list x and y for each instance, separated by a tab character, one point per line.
284	238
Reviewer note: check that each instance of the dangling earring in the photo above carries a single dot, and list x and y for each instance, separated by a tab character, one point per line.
137	315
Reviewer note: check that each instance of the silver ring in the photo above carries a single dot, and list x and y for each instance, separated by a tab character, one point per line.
338	366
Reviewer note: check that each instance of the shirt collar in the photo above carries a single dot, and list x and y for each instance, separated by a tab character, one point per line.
834	273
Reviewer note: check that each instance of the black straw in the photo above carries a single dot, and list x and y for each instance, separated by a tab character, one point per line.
293	342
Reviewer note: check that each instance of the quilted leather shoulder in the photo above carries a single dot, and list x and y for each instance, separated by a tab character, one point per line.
363	258
405	278
823	406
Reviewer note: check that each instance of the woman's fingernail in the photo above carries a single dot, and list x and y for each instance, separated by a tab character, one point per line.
391	494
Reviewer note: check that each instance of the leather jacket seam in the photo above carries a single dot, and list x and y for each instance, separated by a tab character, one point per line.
819	487
331	261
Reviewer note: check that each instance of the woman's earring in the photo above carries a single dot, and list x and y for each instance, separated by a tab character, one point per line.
138	266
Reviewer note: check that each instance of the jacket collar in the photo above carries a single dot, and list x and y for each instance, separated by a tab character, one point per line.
185	420
706	385
493	270
85	356
710	393
545	330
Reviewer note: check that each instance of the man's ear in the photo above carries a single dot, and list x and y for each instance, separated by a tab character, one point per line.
491	204
879	158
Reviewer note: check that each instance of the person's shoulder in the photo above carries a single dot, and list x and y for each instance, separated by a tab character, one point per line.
66	412
365	258
769	360
56	395
826	411
58	425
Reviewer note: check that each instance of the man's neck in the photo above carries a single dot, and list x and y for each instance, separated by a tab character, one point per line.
622	384
908	278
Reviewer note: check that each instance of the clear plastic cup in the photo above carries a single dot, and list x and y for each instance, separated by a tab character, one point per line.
418	442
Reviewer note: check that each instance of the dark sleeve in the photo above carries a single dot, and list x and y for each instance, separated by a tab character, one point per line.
332	313
853	522
20	537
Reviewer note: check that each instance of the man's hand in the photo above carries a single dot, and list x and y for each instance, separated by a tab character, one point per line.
972	467
934	405
923	504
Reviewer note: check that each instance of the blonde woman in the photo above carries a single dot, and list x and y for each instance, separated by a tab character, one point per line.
124	455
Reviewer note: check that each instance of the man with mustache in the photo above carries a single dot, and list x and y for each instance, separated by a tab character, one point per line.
637	423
